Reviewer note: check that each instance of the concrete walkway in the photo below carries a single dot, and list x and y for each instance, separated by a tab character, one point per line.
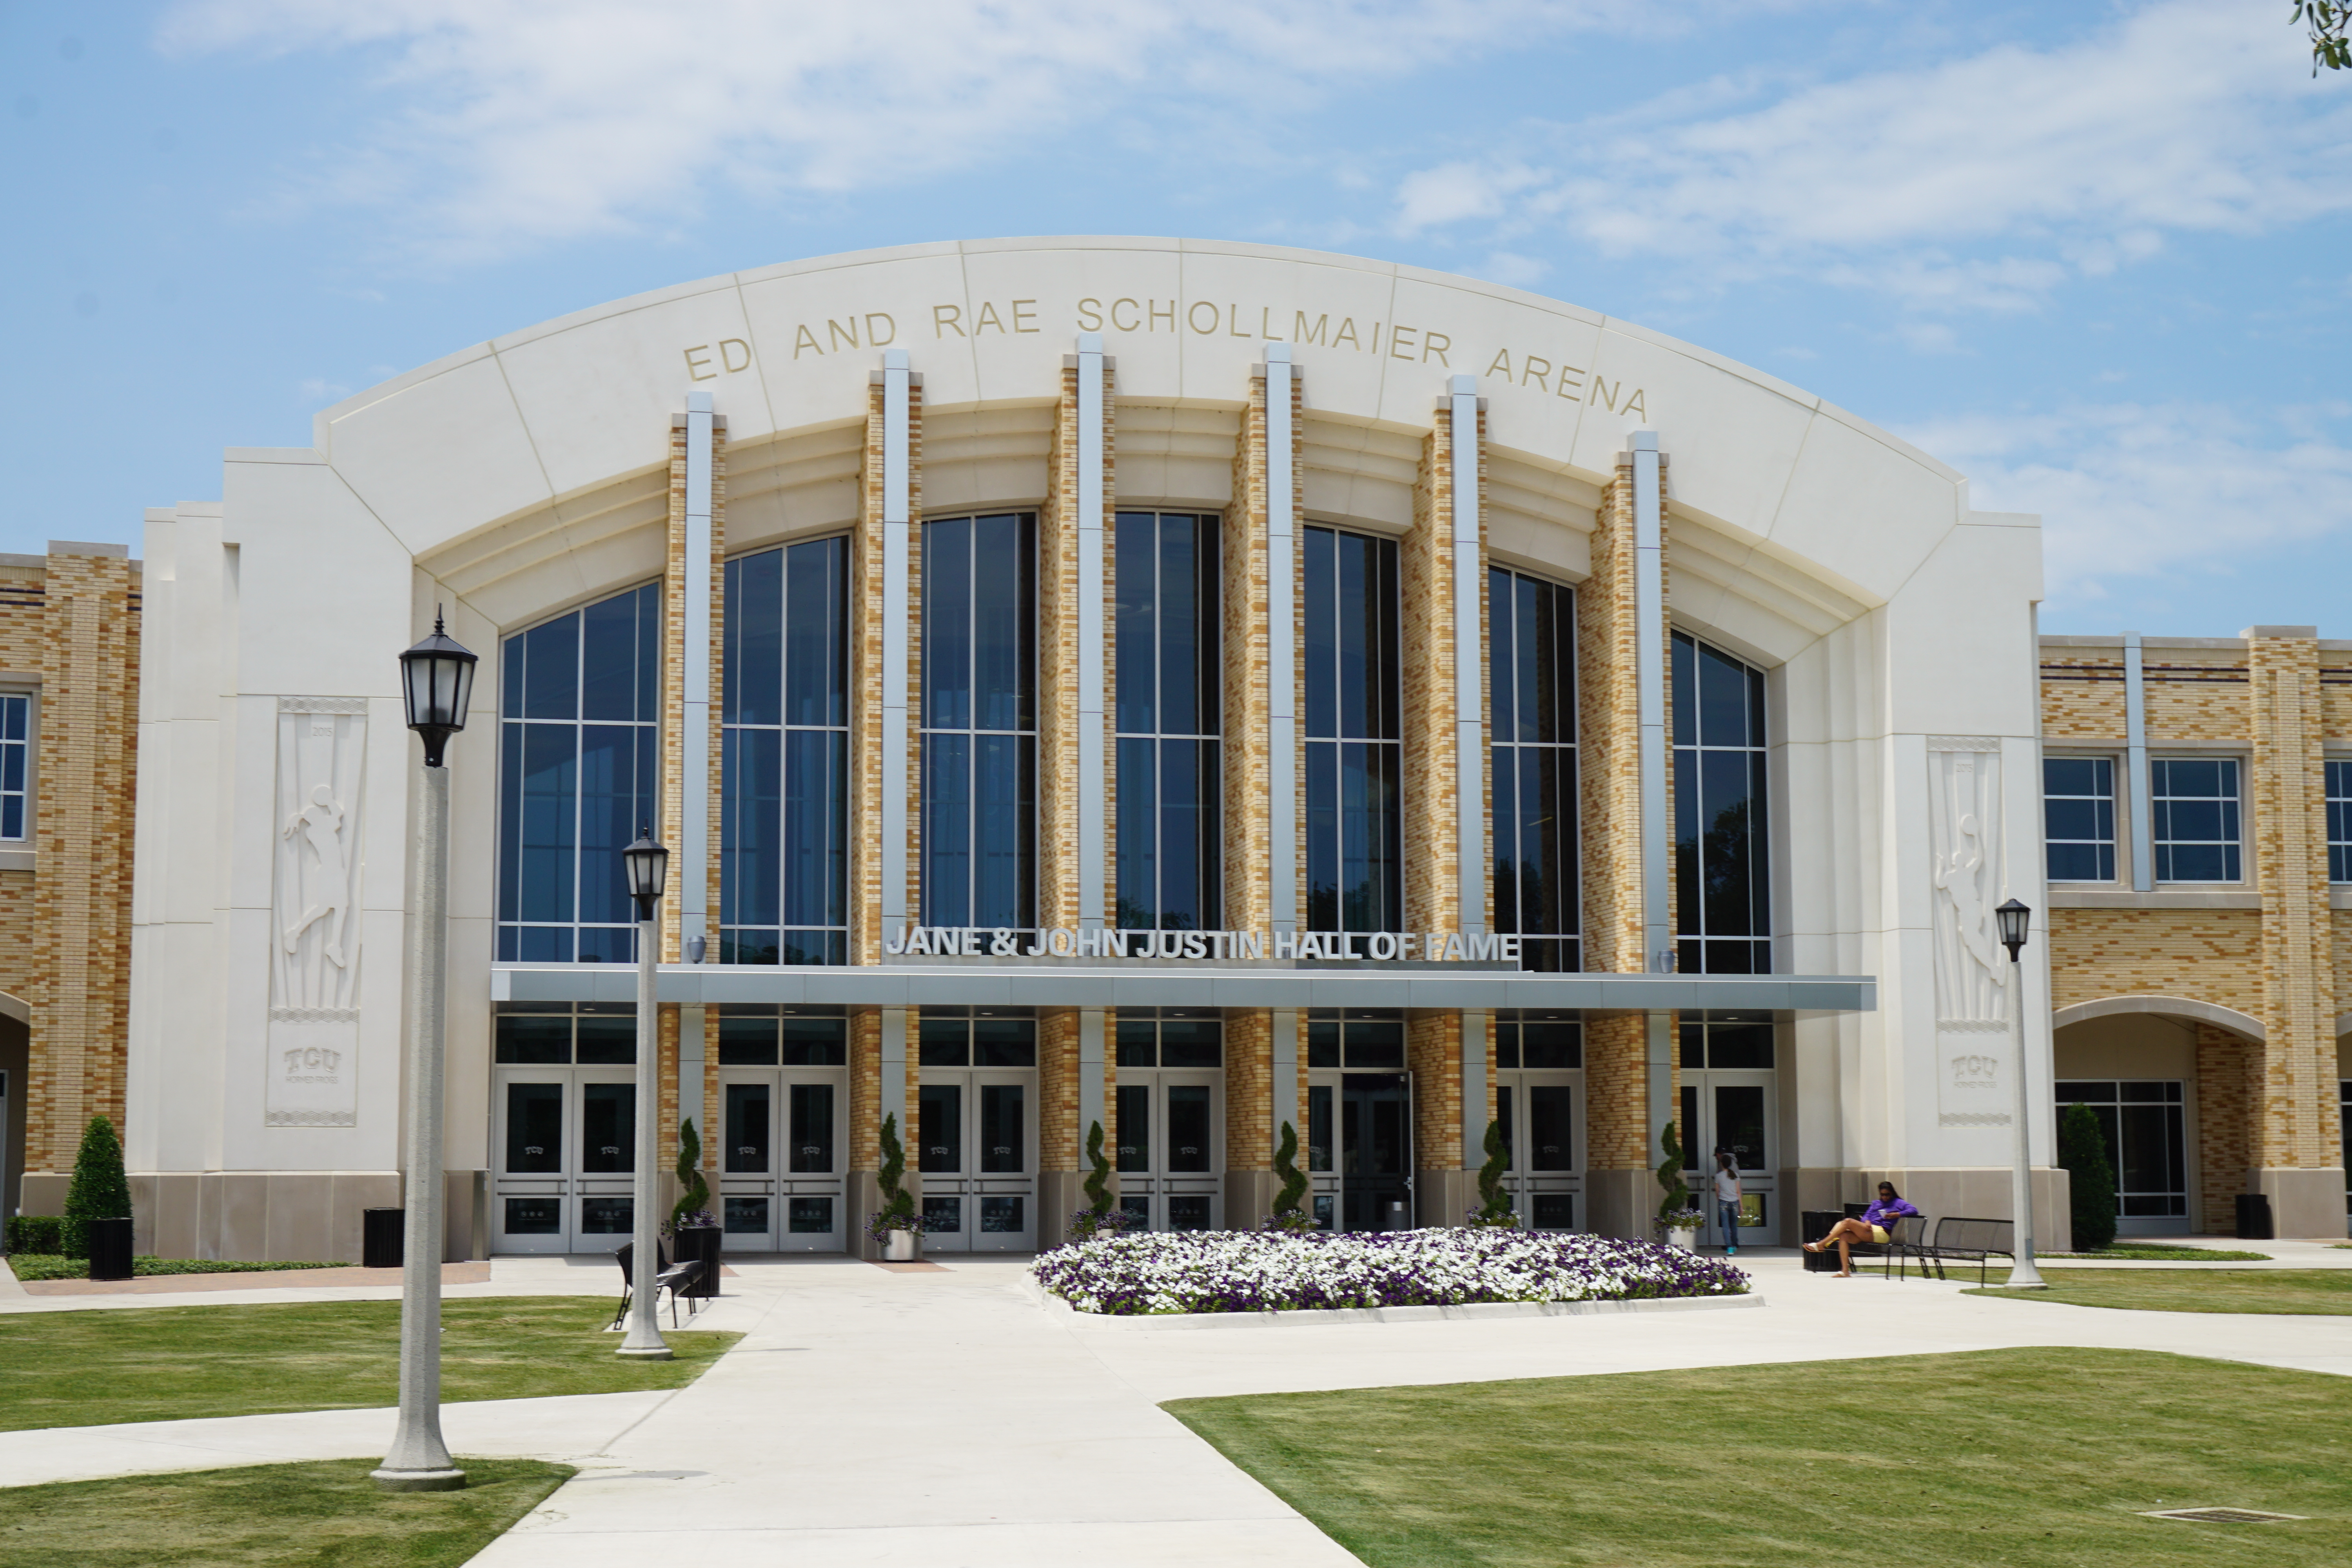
939	1417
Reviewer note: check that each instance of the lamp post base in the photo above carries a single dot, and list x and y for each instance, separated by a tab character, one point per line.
419	1481
646	1353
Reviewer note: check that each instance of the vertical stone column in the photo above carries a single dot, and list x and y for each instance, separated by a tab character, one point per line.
690	723
2297	1152
1442	547
1265	1085
85	763
1621	1147
1076	655
885	768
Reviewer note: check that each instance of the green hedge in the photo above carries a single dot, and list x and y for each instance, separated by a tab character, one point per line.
43	1233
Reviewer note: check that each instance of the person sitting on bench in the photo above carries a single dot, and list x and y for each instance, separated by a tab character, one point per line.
1877	1221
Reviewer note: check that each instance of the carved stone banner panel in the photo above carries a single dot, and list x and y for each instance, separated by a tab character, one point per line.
1972	1038
314	1021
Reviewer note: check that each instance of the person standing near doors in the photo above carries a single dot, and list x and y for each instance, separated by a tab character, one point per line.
1727	1200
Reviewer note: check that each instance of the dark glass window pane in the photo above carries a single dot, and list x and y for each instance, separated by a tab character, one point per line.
814	862
606	1217
607	1041
747	1042
1322	1044
1191	1044
1135	1127
1722	700
551	670
1138	607
607	1128
609	652
744	1216
1002	1128
1004	1042
1373	1043
1003	622
1694	1045
816	658
1504	1126
534	1128
811	1129
1139	834
1189	1150
941	1109
815	1042
1552	1044
810	1216
754	644
1320	550
1554	1211
746	1129
1139	1044
1739	1124
1739	1045
1684	698
946	1042
946	624
527	1040
1319	1124
947	829
1551	1127
752	784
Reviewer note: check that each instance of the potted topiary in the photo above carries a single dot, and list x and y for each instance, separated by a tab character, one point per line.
693	1230
1493	1210
98	1204
1290	1215
895	1226
1678	1217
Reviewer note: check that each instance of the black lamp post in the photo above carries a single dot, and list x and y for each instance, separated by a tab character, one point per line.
2016	920
646	866
436	682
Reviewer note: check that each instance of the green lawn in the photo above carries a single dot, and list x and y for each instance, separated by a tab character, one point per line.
2029	1458
269	1516
2164	1254
166	1363
2324	1291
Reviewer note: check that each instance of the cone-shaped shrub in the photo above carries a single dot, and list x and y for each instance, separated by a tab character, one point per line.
2090	1177
101	1189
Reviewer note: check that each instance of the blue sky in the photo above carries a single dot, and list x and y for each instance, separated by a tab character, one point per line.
2091	255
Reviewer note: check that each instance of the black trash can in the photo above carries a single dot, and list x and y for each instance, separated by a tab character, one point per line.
699	1241
2254	1222
1395	1218
382	1235
1813	1225
110	1248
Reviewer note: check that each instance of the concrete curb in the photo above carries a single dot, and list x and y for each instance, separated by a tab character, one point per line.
1475	1312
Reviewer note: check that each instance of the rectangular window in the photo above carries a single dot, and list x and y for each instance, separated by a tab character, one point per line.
578	776
979	721
2078	814
1722	886
785	769
2339	821
1355	755
2143	1125
16	767
1169	718
2195	811
1531	646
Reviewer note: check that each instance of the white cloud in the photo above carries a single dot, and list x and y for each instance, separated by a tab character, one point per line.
2185	117
2151	491
528	120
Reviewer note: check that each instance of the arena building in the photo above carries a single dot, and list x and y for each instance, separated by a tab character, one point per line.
1293	692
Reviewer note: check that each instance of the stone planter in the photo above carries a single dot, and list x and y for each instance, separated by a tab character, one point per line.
903	1247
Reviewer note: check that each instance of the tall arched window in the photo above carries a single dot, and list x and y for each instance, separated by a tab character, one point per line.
1167	722
579	719
1723	897
783	874
979	721
1531	689
1354	733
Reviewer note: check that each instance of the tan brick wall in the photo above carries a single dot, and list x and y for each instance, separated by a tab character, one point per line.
865	675
77	986
1425	563
674	657
2335	696
2298	1127
2228	1066
1615	1088
1060	1139
1250	1133
2206	955
1433	1050
2083	699
865	1088
1057	662
2189	698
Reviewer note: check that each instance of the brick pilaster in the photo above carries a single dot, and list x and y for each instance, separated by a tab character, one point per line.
2297	1121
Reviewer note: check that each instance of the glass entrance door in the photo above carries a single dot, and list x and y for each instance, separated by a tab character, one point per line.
1734	1111
1358	1123
1172	1119
975	1120
781	1174
1539	1101
978	1165
1172	1139
565	1164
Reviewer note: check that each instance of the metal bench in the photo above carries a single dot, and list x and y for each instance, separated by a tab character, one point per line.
1961	1240
1903	1239
678	1278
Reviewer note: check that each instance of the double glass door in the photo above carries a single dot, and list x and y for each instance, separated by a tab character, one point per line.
979	1160
1171	1141
564	1166
1360	1149
1734	1111
781	1174
1542	1117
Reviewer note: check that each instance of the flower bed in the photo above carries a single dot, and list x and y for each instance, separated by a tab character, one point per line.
1269	1271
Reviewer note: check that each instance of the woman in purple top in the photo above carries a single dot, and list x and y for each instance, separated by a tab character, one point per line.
1877	1221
